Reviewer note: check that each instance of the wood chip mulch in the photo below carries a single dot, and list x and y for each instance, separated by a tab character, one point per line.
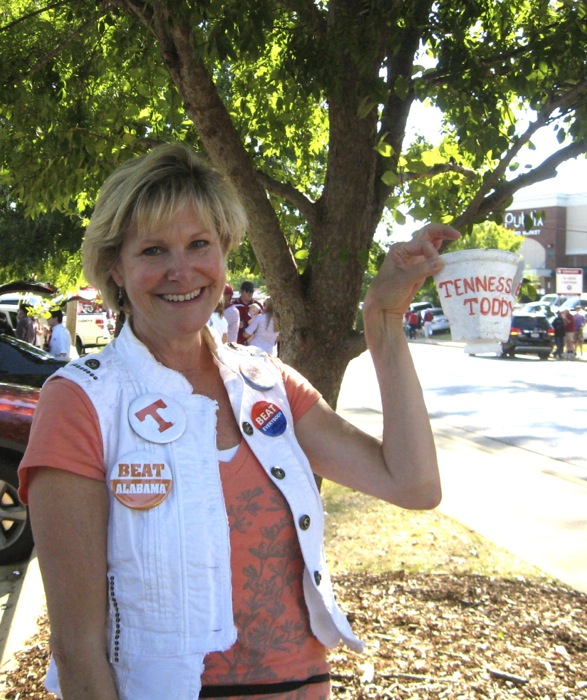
432	636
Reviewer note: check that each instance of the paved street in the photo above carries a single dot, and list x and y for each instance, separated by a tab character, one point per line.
495	480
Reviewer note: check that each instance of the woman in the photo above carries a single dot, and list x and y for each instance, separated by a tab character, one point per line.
261	331
180	540
218	321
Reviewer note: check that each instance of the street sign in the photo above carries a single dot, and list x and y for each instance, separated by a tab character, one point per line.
569	280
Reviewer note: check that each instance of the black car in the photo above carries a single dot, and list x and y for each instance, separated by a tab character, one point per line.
23	363
530	334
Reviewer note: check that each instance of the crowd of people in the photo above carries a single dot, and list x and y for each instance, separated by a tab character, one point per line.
246	320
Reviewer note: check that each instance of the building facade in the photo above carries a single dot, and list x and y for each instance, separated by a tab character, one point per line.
554	228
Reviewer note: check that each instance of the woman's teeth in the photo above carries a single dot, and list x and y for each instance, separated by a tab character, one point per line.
182	297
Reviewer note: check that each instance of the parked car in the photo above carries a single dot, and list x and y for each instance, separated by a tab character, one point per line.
573	303
440	322
93	328
419	306
539	307
530	334
17	405
23	363
553	300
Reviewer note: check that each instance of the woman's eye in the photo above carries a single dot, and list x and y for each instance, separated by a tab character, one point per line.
199	243
152	250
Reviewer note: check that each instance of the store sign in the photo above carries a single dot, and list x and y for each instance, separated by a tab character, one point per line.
569	280
527	223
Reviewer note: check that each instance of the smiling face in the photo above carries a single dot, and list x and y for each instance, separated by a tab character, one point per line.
173	276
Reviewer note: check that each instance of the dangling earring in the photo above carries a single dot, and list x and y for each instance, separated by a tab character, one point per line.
120	298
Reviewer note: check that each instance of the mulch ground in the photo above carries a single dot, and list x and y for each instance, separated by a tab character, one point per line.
432	636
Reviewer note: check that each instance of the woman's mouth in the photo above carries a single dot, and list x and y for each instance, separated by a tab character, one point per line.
182	297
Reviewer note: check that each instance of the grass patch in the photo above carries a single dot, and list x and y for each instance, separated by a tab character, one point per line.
366	534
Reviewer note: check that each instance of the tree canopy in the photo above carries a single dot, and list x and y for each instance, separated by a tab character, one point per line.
304	104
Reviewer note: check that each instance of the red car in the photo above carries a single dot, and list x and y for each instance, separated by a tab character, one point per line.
17	405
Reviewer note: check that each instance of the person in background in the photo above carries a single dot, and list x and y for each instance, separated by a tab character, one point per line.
231	315
569	320
25	325
218	322
247	307
170	477
414	321
262	331
558	323
428	318
58	342
579	317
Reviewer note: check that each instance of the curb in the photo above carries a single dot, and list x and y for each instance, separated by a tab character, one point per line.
29	607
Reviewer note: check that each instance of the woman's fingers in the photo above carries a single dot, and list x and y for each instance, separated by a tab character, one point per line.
407	265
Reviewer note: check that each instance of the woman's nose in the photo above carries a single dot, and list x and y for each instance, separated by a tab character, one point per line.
180	266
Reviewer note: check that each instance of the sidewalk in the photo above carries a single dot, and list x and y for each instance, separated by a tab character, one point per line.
23	605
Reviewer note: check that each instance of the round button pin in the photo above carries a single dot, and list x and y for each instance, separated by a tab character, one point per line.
257	376
140	481
157	418
269	418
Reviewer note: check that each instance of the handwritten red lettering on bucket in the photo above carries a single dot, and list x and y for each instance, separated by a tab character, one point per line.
478	290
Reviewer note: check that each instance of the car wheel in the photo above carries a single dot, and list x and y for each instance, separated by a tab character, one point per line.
79	346
16	537
544	355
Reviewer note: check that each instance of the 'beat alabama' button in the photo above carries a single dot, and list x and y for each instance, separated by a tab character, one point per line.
268	418
139	480
157	418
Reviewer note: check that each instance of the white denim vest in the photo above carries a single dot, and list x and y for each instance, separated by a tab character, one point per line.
169	579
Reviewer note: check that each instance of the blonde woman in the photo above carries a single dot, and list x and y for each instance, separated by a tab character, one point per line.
170	477
262	331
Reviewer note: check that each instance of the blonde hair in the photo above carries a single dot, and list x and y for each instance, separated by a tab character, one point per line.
147	191
270	314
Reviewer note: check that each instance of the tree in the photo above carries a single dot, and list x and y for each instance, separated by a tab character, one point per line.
39	249
304	104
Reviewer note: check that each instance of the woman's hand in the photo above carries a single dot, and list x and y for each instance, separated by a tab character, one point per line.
404	270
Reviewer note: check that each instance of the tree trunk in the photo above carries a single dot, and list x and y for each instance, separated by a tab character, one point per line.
316	310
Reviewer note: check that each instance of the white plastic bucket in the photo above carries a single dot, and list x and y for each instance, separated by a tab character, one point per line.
478	290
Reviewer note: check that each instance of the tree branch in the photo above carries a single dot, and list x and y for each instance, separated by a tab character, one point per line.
57	49
30	15
437	169
544	119
288	192
309	14
478	211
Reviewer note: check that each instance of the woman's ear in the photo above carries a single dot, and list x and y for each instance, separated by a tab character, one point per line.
117	277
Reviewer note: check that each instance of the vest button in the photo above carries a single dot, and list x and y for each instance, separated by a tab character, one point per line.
304	522
317	577
247	428
278	472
